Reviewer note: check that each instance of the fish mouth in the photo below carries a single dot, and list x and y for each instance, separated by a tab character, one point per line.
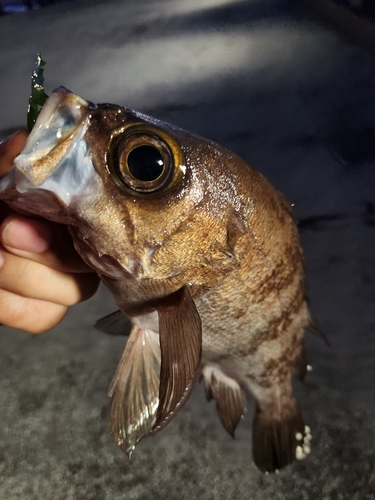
58	123
55	157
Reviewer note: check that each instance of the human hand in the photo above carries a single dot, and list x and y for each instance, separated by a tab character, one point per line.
40	272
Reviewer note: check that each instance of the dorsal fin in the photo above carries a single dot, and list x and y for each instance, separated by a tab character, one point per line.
314	328
181	344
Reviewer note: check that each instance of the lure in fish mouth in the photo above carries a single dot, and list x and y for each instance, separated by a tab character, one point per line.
199	251
41	165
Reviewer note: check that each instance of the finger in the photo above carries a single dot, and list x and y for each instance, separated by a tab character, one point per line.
10	148
34	316
41	241
31	279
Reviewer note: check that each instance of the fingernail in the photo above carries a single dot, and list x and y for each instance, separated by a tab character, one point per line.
27	235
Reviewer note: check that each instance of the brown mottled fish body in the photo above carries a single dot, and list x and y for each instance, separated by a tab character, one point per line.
204	259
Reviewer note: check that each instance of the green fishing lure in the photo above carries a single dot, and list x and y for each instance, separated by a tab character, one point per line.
38	96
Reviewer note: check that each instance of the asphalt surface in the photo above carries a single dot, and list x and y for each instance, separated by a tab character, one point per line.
298	103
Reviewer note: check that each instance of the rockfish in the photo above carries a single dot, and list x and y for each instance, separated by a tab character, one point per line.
199	252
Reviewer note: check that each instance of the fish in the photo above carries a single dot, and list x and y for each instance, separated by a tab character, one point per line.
200	253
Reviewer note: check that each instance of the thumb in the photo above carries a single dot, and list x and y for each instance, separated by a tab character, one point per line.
41	241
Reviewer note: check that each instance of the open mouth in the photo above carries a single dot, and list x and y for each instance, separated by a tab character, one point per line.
61	119
55	159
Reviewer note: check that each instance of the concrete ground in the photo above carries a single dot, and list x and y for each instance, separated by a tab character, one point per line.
358	25
298	103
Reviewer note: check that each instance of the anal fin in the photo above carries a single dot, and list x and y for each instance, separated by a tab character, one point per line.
230	398
135	389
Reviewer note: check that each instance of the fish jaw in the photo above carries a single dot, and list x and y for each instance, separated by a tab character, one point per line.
54	133
47	166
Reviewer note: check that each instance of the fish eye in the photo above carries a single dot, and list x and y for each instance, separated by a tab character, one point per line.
146	163
144	159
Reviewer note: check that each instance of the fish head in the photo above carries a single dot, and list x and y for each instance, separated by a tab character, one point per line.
142	198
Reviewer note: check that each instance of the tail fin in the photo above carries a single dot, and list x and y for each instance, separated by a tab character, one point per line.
277	443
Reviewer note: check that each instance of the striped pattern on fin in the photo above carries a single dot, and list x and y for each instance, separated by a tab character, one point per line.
135	389
180	333
230	398
277	443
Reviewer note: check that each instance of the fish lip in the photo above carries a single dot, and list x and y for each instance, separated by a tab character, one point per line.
63	115
60	96
62	120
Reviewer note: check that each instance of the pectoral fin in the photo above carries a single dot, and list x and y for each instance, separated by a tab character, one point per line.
135	389
181	344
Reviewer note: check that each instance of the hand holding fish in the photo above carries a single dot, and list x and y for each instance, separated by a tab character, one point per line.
40	273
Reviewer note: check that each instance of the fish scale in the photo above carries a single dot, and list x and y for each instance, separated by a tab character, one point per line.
199	252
